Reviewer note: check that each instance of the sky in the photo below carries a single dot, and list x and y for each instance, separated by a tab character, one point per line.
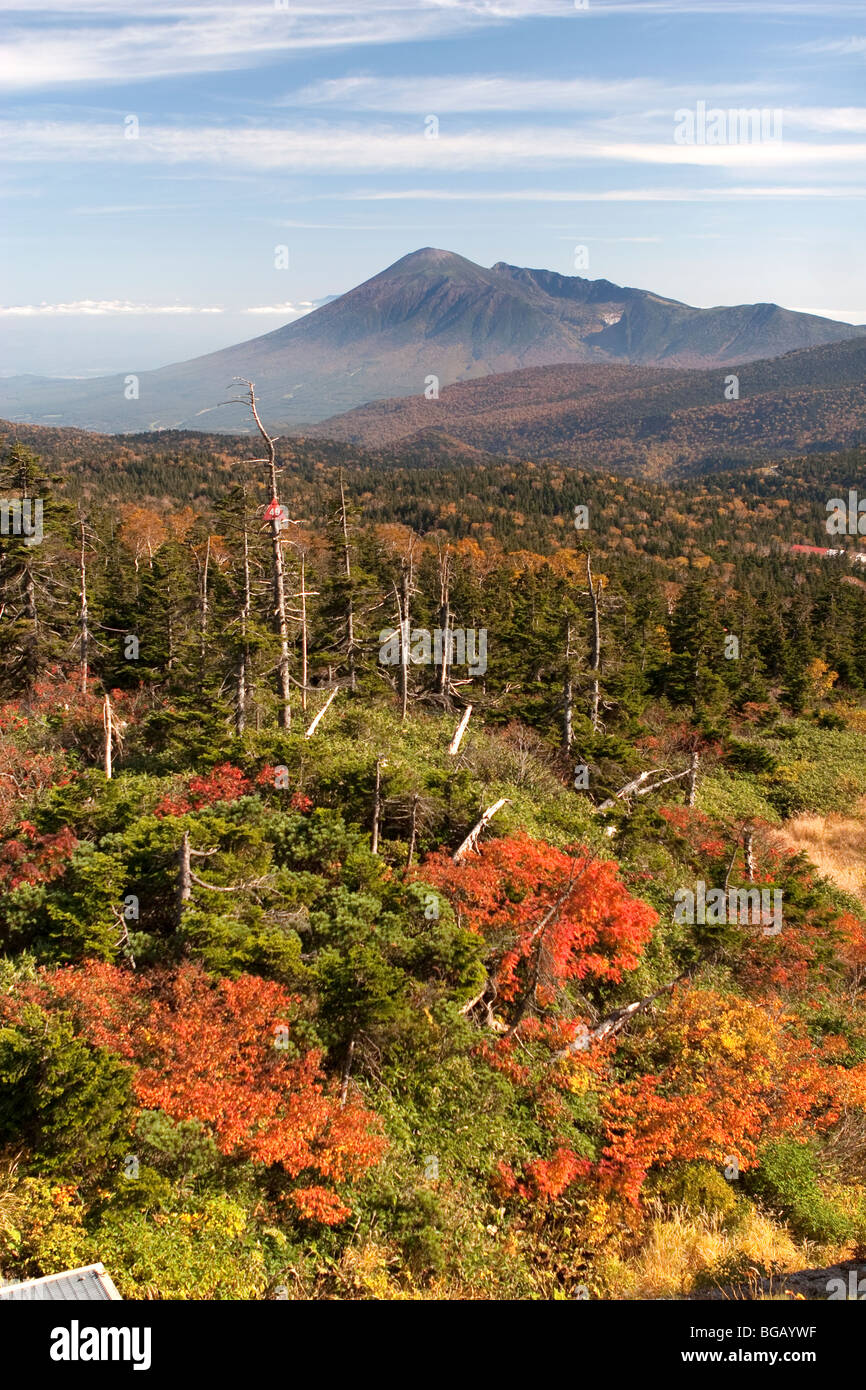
178	176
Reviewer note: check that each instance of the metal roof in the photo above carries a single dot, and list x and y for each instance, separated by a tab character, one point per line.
86	1285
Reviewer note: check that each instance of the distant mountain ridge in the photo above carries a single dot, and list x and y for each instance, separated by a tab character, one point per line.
432	313
645	420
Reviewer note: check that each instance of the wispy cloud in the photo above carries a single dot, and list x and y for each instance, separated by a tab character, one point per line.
842	48
96	42
856	316
176	39
491	92
346	149
608	195
100	308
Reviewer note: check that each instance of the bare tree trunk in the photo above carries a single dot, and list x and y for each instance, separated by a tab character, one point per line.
184	879
454	745
567	696
613	1022
279	569
636	787
693	779
32	615
303	635
350	614
412	838
595	659
749	853
315	724
472	838
170	662
347	1069
108	726
244	667
377	806
82	608
404	641
204	605
444	616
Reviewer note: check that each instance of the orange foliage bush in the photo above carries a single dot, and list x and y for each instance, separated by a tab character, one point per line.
204	1050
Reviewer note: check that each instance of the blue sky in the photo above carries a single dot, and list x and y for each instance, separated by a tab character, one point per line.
305	125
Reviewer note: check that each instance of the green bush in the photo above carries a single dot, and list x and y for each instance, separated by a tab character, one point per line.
787	1182
695	1187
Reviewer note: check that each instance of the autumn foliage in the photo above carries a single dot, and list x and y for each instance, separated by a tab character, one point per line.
208	1050
728	1076
26	856
551	915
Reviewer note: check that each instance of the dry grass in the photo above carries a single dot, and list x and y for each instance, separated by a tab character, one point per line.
835	844
683	1250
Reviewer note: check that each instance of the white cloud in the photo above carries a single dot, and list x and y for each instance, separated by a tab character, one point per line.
286	310
830	120
842	48
99	307
489	92
172	39
855	316
96	41
328	148
609	195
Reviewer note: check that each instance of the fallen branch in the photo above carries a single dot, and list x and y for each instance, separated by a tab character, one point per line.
471	839
636	787
613	1022
454	745
315	723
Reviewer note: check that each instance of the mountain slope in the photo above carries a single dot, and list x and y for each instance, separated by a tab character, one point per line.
645	419
432	313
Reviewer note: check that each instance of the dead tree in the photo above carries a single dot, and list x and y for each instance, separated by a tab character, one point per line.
472	838
749	853
83	621
246	609
413	834
347	564
613	1022
567	695
405	590
315	724
108	726
186	877
203	567
454	745
377	805
276	519
693	778
444	569
636	787
123	942
303	594
595	654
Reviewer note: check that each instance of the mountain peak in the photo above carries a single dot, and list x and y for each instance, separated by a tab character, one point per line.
433	313
431	258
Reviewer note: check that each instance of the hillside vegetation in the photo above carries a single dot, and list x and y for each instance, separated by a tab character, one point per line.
316	982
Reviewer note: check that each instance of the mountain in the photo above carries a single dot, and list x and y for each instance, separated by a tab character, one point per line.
432	313
635	419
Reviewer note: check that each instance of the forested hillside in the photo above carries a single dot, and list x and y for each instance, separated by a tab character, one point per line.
648	421
404	886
